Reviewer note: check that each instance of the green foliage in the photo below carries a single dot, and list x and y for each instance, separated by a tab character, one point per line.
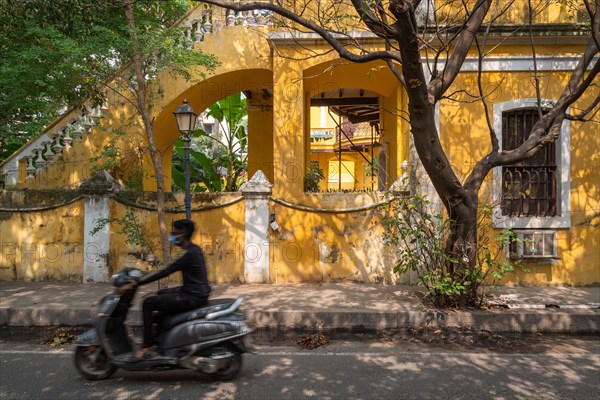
419	236
214	155
371	168
129	225
204	174
57	54
312	178
122	160
231	114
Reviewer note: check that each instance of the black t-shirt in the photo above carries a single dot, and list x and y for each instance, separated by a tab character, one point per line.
193	268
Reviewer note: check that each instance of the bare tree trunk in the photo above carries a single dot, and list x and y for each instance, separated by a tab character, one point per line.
141	95
461	206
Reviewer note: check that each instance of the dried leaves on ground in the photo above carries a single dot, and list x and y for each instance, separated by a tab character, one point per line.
313	341
61	338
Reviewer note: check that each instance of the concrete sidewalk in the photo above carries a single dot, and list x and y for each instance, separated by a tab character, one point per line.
339	306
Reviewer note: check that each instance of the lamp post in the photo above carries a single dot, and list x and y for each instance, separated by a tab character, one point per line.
186	123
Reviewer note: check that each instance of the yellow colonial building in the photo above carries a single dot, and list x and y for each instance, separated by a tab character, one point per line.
348	120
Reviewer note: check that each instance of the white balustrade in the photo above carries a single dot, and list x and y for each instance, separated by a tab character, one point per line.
239	18
49	155
30	169
57	146
87	123
207	26
67	139
78	132
96	114
198	32
230	18
104	108
188	38
39	161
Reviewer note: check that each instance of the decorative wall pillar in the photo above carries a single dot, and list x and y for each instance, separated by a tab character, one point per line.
256	193
11	172
96	242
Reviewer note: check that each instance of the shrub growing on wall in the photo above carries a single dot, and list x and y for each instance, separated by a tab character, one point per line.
419	234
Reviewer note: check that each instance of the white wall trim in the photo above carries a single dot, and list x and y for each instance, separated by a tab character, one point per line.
563	157
519	64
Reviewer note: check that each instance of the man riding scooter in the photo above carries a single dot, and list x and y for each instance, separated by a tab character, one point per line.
192	294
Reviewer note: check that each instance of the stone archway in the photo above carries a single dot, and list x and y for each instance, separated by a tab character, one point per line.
257	85
363	94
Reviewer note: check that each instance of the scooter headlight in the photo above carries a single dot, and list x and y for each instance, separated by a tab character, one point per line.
135	273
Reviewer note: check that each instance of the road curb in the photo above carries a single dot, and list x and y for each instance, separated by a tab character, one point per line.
522	321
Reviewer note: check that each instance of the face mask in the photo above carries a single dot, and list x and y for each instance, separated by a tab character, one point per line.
173	240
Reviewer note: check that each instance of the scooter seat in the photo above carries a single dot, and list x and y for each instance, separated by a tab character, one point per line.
171	320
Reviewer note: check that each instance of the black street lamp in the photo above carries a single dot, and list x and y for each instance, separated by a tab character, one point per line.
186	123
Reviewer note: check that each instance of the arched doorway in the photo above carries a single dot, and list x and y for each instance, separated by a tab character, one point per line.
256	86
354	113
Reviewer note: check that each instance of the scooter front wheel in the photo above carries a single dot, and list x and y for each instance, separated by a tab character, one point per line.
93	363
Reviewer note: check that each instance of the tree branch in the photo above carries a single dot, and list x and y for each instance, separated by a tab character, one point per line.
440	84
318	29
547	129
581	116
594	17
376	25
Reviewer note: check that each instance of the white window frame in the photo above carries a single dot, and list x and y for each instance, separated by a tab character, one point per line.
562	219
521	234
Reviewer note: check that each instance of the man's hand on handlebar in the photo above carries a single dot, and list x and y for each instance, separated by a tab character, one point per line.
128	286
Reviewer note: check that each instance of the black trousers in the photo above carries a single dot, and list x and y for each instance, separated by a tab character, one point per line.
167	301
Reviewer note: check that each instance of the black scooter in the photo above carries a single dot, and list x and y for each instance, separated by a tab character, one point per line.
208	339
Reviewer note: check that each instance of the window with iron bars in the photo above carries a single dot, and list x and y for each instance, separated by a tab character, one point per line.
529	188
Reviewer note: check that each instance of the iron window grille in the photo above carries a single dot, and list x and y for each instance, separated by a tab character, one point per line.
529	188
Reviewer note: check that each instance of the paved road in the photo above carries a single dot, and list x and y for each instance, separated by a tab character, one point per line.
374	370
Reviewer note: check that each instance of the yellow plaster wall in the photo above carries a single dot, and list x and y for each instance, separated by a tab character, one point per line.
219	232
248	63
260	137
288	128
42	245
317	246
78	162
465	136
516	12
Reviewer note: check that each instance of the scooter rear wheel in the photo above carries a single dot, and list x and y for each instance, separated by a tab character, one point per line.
234	363
101	368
